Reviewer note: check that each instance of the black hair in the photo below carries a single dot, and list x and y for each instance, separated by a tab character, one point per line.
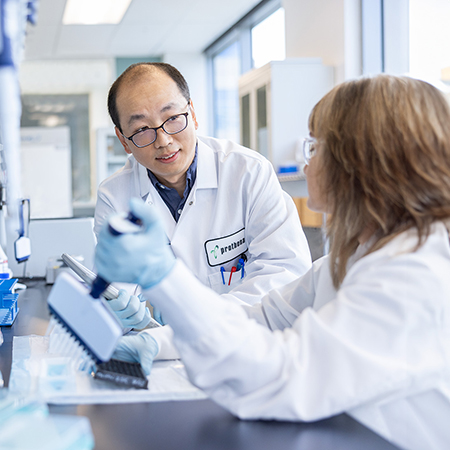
135	71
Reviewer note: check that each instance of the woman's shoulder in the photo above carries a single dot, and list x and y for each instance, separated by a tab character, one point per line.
401	260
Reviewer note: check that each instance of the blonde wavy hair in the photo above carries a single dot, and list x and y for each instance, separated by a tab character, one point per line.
385	164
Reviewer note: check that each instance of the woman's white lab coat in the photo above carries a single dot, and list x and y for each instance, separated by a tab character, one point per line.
378	348
236	206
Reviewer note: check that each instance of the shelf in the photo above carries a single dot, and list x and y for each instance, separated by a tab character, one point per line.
291	177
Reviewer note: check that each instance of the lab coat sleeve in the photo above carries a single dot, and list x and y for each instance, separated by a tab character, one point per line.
103	209
115	192
164	338
275	312
281	308
376	338
278	250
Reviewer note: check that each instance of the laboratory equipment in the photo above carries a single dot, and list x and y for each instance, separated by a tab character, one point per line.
125	223
14	14
49	239
88	277
84	314
8	302
26	423
121	372
22	246
1	375
88	321
119	224
143	257
5	272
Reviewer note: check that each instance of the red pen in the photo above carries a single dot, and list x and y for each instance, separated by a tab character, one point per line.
233	269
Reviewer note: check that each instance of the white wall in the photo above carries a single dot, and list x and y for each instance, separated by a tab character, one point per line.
193	68
329	29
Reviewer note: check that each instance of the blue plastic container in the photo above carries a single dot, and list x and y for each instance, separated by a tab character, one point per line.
8	302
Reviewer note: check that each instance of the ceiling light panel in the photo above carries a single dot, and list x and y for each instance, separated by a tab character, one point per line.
94	12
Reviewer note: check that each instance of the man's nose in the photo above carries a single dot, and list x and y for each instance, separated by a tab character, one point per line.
162	139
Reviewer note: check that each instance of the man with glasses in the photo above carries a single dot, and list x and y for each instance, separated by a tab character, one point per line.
224	212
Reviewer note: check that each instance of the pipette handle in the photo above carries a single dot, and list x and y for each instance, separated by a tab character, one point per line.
122	224
98	287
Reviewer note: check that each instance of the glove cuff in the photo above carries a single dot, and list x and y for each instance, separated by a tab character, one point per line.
158	275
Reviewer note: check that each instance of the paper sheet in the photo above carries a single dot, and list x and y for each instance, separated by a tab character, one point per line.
54	379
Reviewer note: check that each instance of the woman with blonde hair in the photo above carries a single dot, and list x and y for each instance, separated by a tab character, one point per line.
367	330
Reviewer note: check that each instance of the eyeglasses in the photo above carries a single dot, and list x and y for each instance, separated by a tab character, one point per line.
173	125
309	148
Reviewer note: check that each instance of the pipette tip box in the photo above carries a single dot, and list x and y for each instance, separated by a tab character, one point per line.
8	302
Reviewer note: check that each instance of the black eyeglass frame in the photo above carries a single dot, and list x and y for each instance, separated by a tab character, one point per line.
160	127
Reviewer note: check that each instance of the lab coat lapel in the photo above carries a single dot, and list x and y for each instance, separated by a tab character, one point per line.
154	199
149	194
143	181
207	172
206	180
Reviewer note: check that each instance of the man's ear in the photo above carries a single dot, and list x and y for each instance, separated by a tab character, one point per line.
194	117
122	140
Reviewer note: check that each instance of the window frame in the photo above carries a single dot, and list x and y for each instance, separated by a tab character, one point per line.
385	36
240	32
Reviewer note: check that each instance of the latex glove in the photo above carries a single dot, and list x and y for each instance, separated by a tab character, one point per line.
158	316
140	348
143	258
131	310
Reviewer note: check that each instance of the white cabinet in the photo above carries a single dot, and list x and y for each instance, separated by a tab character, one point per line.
111	155
275	103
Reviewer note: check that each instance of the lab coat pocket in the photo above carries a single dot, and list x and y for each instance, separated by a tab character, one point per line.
216	281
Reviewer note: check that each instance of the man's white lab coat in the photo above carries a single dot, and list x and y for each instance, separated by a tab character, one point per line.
235	206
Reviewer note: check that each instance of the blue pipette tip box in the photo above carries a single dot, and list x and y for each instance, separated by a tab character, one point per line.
8	302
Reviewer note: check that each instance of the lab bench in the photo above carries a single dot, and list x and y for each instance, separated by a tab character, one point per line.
183	425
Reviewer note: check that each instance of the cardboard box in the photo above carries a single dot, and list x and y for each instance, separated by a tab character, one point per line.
308	218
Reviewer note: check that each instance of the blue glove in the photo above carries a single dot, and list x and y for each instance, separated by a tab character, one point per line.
131	310
158	316
143	258
140	348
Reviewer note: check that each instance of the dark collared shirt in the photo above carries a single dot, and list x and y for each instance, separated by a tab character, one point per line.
171	198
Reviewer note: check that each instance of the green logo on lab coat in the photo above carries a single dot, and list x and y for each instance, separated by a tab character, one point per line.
214	251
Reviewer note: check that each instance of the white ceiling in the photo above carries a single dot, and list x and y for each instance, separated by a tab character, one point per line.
149	28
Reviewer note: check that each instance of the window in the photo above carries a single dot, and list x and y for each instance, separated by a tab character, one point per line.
409	37
385	40
429	41
268	39
243	47
226	72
